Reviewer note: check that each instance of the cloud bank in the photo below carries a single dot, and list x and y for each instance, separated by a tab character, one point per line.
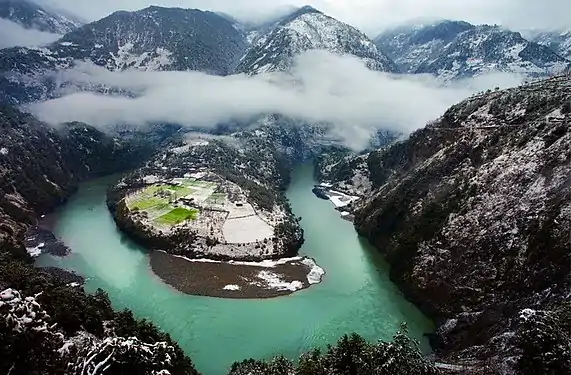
321	87
14	35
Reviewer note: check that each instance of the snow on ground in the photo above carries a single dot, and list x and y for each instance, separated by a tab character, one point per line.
231	287
316	274
313	277
151	179
340	199
246	230
265	263
274	281
35	251
235	211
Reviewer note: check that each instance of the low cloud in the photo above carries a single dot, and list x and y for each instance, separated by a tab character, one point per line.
14	35
321	87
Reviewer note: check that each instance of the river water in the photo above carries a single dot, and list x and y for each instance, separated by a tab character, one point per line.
356	294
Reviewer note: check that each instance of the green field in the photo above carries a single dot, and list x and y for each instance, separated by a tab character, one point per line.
148	203
158	200
147	198
178	215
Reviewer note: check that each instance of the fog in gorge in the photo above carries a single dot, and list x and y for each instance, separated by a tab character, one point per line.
321	87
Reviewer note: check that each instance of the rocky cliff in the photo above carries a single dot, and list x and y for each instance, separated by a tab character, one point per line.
474	214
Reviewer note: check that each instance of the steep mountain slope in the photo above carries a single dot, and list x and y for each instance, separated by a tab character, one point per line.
154	38
32	16
474	214
47	325
40	166
409	46
158	38
452	50
557	41
308	29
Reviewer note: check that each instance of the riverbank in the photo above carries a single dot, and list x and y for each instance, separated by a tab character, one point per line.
355	295
239	280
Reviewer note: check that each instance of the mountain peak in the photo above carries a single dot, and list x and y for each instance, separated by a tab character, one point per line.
306	9
309	29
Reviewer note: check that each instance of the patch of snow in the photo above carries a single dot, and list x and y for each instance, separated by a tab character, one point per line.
35	251
263	264
340	199
146	61
197	175
525	314
247	229
152	179
274	281
231	287
316	273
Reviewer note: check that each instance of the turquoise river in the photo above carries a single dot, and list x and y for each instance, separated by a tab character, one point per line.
356	294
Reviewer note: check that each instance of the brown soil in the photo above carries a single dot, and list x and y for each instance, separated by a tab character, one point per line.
209	279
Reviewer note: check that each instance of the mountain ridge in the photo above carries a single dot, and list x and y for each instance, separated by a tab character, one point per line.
150	39
456	49
31	15
307	29
472	213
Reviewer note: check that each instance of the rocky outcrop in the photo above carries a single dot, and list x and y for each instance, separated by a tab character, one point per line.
474	214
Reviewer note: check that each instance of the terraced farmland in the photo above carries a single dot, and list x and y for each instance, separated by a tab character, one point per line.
162	202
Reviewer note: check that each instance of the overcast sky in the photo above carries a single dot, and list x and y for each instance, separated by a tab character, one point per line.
368	15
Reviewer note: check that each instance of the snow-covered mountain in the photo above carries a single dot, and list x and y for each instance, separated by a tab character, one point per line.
309	29
558	41
455	49
158	38
30	15
154	38
409	46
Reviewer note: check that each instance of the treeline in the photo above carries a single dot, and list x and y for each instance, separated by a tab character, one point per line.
72	313
352	355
